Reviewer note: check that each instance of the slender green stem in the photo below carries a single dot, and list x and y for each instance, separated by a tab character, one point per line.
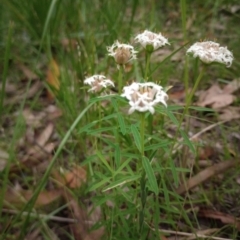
120	79
190	96
148	55
143	178
142	128
183	6
150	124
143	196
189	99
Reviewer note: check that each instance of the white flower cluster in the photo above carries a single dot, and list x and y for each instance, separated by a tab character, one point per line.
209	52
97	83
148	38
144	96
122	53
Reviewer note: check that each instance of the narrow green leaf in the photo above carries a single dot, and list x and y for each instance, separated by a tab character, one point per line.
136	136
117	156
130	155
125	164
99	184
121	182
202	109
126	195
163	143
103	129
86	127
187	141
104	161
121	123
47	21
119	117
172	117
172	167
150	175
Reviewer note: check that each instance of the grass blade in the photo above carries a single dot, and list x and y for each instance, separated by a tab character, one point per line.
6	64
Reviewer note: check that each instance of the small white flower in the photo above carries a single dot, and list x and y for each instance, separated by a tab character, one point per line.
209	52
152	40
97	83
122	53
144	96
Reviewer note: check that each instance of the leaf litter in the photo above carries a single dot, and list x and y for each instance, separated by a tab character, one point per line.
216	97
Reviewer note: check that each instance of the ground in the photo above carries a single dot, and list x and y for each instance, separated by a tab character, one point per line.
74	165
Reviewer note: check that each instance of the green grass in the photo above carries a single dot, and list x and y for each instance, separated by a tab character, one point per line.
132	166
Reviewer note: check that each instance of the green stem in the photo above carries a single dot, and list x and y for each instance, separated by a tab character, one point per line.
143	194
183	7
189	99
148	55
142	128
120	79
190	96
150	124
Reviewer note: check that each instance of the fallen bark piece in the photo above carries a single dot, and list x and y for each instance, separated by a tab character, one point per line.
223	217
205	175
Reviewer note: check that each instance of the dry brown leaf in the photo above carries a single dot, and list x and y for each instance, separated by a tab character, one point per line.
31	119
53	74
80	230
18	198
218	101
39	154
45	135
42	139
36	87
205	152
72	179
53	112
215	97
232	86
224	218
206	174
213	90
75	178
229	113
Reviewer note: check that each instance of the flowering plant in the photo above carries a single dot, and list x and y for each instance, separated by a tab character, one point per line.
122	53
98	82
209	52
151	41
144	96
